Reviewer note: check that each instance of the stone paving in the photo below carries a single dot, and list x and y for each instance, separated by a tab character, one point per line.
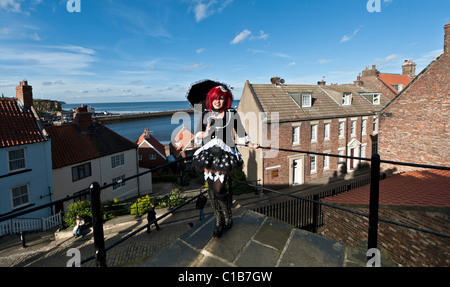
49	249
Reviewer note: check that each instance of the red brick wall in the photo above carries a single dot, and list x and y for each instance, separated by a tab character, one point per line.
146	162
407	247
417	131
329	146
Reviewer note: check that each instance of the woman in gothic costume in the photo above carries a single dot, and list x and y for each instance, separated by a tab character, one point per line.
218	155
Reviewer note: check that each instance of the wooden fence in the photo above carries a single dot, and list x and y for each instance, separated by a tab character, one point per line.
19	225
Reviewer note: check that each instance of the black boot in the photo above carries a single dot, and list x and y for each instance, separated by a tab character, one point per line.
219	220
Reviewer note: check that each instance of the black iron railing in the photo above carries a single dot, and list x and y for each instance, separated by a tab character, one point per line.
95	191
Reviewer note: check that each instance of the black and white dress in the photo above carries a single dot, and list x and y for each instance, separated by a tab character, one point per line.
218	150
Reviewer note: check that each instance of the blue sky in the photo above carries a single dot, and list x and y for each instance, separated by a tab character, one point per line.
115	51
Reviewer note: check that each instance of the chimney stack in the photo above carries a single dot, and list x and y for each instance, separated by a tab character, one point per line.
275	81
447	38
409	68
83	119
24	93
368	73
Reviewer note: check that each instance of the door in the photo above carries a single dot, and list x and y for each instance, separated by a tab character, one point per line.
352	153
297	172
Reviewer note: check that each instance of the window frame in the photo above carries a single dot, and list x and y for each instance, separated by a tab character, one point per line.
10	161
309	100
13	197
85	173
117	160
294	129
341	136
346	99
119	185
326	131
311	162
313	134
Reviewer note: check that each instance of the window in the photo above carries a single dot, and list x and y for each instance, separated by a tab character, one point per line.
140	157
363	126
81	171
274	173
346	99
152	156
376	99
313	133
341	151
341	129
398	87
117	160
363	150
353	127
19	195
306	100
326	131
295	135
326	162
118	182
16	159
375	125
313	163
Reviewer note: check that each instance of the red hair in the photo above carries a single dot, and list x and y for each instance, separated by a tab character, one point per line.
215	93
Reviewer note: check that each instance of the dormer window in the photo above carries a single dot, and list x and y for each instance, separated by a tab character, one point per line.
303	100
398	87
346	99
306	100
376	99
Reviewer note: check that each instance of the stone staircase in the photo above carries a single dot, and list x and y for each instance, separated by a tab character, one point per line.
255	241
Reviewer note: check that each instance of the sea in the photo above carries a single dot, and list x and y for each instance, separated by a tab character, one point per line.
163	129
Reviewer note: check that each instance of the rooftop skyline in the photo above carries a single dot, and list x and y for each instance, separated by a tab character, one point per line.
116	51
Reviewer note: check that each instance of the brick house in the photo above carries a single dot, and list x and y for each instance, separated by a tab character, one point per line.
335	119
151	152
182	146
416	198
414	125
388	84
26	177
87	151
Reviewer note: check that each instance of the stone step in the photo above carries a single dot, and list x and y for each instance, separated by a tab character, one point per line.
255	241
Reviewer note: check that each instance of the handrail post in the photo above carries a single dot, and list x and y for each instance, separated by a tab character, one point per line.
97	224
374	201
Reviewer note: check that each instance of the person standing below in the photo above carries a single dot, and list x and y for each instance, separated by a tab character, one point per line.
151	215
200	205
218	155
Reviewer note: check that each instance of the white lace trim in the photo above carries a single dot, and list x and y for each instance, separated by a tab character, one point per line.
219	143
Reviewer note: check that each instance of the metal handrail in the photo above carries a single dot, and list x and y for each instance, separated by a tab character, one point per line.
100	254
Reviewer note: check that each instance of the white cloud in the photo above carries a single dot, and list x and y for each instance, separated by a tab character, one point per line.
292	64
262	35
347	38
241	37
324	61
64	60
204	9
10	6
392	57
201	50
